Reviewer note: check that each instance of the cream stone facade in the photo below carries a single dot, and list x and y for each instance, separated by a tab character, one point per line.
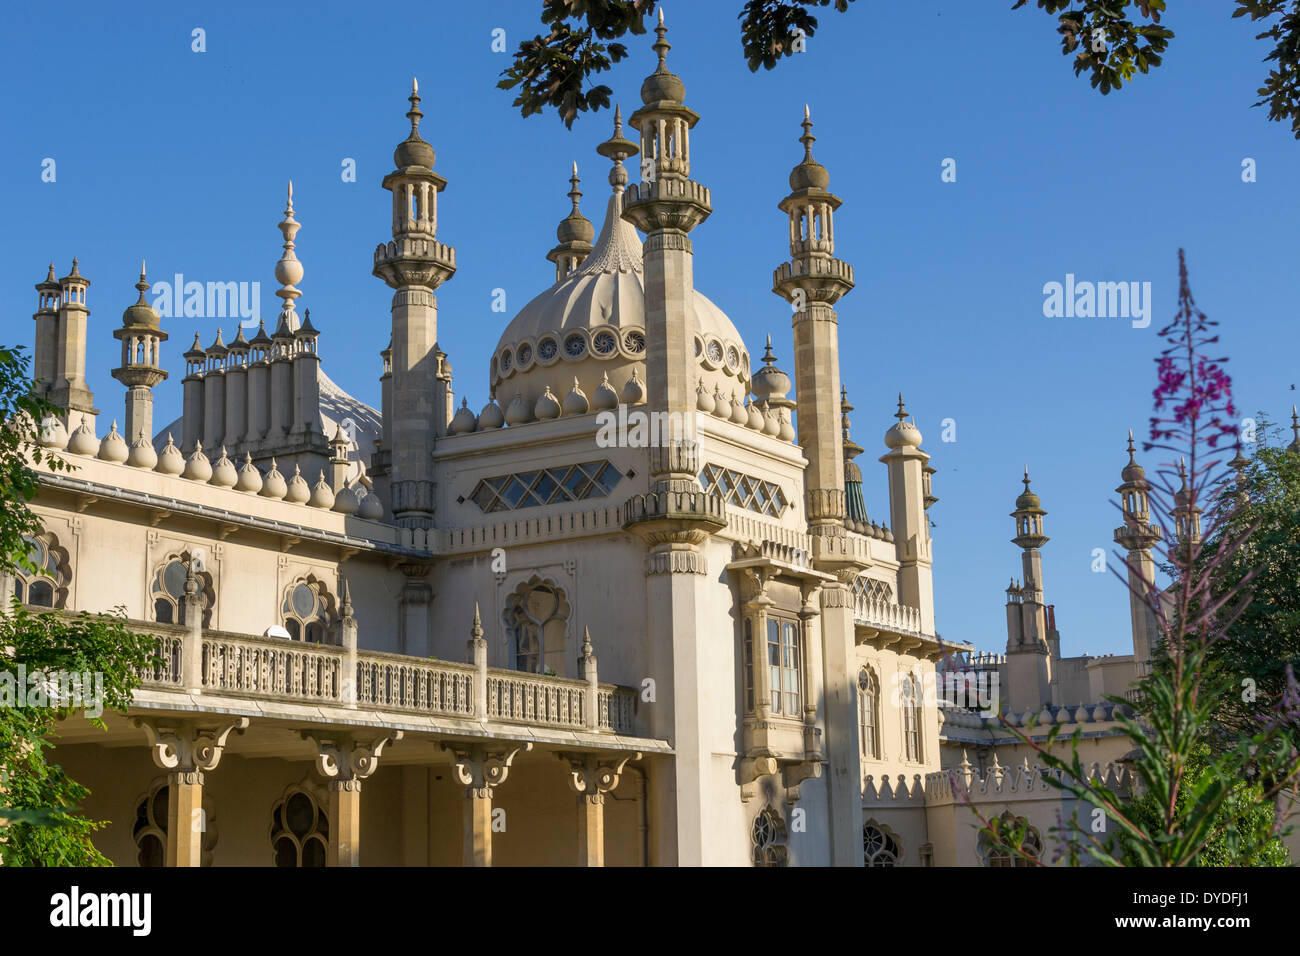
550	632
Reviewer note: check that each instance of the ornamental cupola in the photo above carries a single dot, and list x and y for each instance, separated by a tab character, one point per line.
574	234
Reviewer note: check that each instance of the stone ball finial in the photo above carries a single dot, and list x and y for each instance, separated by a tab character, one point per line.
322	495
463	422
491	416
113	448
224	474
576	402
142	454
170	460
83	440
197	466
518	412
547	406
634	390
274	485
250	479
298	490
605	397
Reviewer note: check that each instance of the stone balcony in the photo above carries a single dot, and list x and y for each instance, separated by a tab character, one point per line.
274	671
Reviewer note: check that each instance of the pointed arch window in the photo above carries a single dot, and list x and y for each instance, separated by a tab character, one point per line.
880	847
168	590
869	714
768	836
300	830
536	618
307	610
45	582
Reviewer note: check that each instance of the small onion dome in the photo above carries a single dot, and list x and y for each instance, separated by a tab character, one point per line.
491	416
463	421
755	416
721	404
414	151
904	434
170	459
142	454
197	466
633	391
53	434
738	413
346	501
1133	472
224	474
662	85
371	507
140	315
547	406
1182	496
518	412
298	491
703	400
250	479
274	485
575	230
83	441
605	397
575	403
771	424
809	174
1027	500
851	471
889	535
770	383
113	447
322	496
787	430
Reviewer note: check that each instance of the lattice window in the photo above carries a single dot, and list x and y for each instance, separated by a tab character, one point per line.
768	836
300	830
532	489
744	491
1008	827
45	582
869	713
880	847
864	587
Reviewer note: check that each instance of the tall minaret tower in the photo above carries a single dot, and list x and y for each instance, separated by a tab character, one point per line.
1187	517
910	524
666	205
1029	657
70	390
812	282
141	338
574	233
1138	536
414	264
47	332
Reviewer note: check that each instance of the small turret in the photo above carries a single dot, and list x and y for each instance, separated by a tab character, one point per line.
141	338
574	235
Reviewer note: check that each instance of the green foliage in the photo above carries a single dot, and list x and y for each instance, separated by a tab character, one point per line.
1281	90
1106	41
551	71
39	824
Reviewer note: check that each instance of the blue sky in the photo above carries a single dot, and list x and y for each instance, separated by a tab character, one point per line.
182	158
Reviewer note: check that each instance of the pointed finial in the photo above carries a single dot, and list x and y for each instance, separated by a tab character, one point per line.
414	114
1026	478
901	414
476	629
1295	427
662	46
807	138
586	643
768	357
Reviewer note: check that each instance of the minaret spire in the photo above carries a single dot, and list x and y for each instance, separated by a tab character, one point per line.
1137	536
289	271
141	335
574	234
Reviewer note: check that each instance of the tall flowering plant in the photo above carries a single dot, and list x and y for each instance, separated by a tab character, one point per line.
1185	803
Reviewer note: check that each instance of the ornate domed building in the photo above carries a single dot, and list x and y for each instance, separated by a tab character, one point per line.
425	634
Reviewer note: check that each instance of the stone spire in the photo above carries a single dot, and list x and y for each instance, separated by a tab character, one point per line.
70	390
288	271
47	332
813	281
141	336
906	462
855	507
1030	634
574	235
414	264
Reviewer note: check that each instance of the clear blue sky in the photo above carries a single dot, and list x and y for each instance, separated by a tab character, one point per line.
182	158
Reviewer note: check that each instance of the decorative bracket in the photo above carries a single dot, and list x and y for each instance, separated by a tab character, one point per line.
187	746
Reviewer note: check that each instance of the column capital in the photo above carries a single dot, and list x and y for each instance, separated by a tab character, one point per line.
346	759
480	768
188	746
593	774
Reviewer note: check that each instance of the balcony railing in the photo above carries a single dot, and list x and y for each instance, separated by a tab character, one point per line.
265	668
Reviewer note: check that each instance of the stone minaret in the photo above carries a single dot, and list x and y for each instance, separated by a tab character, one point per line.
911	527
141	338
1187	517
259	385
574	234
47	333
812	282
70	390
196	363
214	394
237	393
1137	535
414	264
666	205
676	519
285	412
1029	656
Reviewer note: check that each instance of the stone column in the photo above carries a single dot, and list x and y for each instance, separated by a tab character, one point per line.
591	777
187	749
415	601
345	760
843	748
480	770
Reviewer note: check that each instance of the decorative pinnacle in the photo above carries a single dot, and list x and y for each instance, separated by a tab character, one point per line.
476	631
586	631
289	270
901	414
1132	458
618	148
662	46
142	285
414	114
575	193
1026	478
768	357
1295	425
807	138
